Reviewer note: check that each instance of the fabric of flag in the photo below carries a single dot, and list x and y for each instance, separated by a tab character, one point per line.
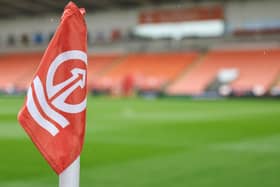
54	112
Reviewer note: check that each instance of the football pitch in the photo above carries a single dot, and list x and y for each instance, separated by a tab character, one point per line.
157	143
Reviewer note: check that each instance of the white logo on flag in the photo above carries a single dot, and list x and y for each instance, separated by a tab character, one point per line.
78	76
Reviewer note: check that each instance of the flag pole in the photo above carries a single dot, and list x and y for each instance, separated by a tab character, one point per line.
70	177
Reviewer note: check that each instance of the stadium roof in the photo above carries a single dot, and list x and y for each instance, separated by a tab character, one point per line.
12	8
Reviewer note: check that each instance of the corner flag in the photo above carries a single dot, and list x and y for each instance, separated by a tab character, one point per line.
54	112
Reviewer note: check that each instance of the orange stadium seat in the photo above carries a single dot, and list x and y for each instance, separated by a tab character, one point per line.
97	64
150	71
17	69
256	68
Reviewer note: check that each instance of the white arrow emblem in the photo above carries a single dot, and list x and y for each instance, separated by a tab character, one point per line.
78	79
77	73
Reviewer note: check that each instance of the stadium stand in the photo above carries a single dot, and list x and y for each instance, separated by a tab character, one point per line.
186	73
150	71
17	70
258	69
98	64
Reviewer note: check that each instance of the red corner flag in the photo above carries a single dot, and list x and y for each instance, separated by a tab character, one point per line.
54	112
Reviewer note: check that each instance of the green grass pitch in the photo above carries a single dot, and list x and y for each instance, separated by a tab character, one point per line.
157	143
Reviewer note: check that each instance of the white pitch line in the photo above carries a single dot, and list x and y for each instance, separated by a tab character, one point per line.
268	144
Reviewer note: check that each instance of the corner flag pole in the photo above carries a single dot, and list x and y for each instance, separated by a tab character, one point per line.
70	177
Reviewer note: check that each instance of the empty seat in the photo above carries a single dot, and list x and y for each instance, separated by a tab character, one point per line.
257	68
150	70
17	69
97	65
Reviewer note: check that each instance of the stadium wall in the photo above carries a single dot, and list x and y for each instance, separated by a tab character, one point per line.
101	24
